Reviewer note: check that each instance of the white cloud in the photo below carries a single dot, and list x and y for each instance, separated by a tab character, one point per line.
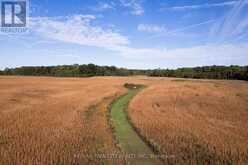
102	6
139	53
225	54
161	31
211	51
85	17
134	5
195	56
232	25
151	28
76	29
241	26
203	6
79	30
207	53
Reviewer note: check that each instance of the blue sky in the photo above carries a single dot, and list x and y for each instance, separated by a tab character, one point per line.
131	33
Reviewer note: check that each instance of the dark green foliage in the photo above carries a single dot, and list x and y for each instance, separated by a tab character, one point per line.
132	86
206	72
71	71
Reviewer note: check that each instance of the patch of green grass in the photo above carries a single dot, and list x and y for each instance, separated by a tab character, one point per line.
129	140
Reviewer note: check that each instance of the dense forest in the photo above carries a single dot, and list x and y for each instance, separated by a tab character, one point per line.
206	72
72	71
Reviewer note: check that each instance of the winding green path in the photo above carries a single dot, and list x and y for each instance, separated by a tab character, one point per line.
129	140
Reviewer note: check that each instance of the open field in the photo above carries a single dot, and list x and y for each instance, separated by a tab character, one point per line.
65	120
55	120
195	122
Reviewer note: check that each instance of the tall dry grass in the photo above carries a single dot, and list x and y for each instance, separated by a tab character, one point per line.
64	121
56	121
195	122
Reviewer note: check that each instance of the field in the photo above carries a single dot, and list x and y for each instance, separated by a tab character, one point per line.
195	122
55	121
66	120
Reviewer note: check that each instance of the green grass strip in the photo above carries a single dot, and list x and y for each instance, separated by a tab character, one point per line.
130	142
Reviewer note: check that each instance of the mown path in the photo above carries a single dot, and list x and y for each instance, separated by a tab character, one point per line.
130	142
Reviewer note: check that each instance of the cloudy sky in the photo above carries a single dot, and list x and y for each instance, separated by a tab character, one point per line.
131	33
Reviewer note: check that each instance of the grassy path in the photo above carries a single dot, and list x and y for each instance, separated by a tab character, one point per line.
129	140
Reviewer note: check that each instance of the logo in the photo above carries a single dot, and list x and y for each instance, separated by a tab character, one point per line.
14	15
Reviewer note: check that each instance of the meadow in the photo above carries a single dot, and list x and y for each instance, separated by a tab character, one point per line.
55	121
45	120
194	121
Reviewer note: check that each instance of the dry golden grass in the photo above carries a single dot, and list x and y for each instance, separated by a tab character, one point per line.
64	120
195	122
55	120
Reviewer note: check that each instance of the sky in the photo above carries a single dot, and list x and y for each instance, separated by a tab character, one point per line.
138	34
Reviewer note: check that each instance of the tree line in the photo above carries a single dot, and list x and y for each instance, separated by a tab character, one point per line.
206	72
75	70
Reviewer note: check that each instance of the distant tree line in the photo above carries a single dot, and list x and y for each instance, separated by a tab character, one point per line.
206	72
71	71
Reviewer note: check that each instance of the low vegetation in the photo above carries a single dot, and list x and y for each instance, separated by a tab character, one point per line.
207	72
45	120
56	121
194	122
129	141
133	86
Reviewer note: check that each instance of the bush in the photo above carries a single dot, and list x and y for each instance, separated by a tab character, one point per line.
132	86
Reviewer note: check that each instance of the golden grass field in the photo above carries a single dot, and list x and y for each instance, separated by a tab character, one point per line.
65	120
55	121
195	122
